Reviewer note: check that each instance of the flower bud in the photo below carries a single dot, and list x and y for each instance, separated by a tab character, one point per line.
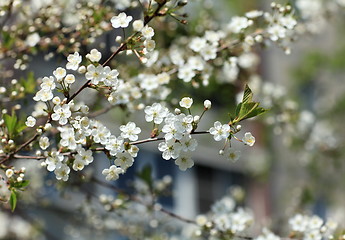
82	69
177	111
207	104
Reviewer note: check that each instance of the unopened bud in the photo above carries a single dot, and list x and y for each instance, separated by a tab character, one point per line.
238	127
82	69
207	104
118	39
177	111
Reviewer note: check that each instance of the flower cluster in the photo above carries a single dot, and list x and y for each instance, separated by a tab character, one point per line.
225	219
312	227
177	129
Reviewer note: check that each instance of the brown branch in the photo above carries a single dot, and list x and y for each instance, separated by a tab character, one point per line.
102	111
136	199
99	149
174	215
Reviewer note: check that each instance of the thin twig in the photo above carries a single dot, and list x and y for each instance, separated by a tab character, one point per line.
102	111
136	199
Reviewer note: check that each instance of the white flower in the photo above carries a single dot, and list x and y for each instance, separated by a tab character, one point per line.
186	73
248	60
101	134
254	14
288	21
237	24
30	121
188	143
207	104
84	156
315	222
9	173
48	83
68	138
184	161
197	44
61	113
73	61
44	143
220	131
70	78
170	149
115	145
313	234
62	172
299	223
112	173
78	164
163	78
59	73
267	235
240	220
276	32
183	123
171	131
186	102
121	20
32	39
196	63
124	160
248	139
95	74
110	77
138	25
94	55
53	160
209	52
231	154
147	32
130	131
156	113
149	45
133	151
43	95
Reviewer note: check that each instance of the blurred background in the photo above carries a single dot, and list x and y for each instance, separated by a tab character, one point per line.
296	164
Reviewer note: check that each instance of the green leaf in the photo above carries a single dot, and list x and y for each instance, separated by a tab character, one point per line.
146	175
8	40
248	95
10	122
29	83
13	200
14	126
256	112
21	184
247	108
